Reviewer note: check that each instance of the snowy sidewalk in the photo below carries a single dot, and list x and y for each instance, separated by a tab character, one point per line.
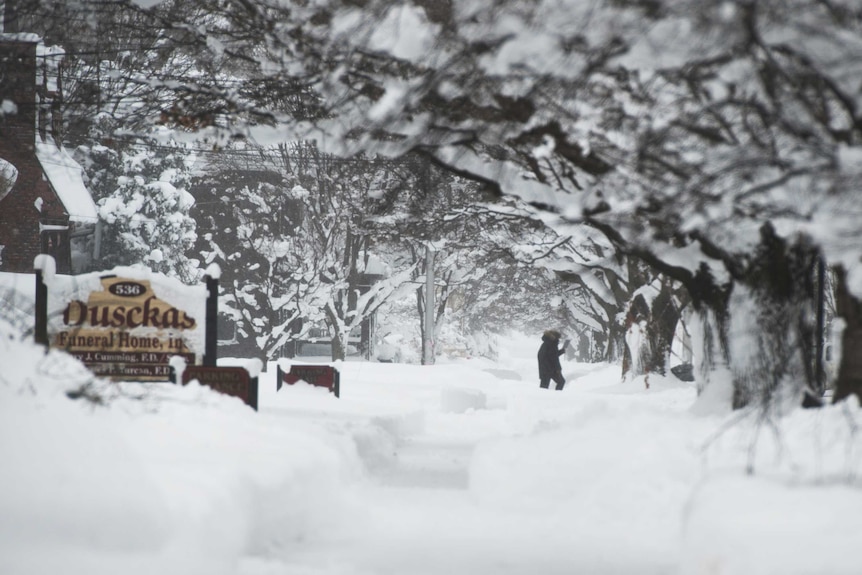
528	483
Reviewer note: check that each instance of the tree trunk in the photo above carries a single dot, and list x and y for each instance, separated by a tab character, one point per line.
339	339
637	342
428	331
366	341
657	324
710	341
849	308
772	307
661	327
338	348
709	334
584	352
265	356
615	345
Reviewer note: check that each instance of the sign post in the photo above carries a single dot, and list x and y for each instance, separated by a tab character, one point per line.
211	345
40	333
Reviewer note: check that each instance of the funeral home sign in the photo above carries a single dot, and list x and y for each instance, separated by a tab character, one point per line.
126	323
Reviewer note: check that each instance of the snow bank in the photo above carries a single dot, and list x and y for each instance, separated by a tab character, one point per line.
754	526
610	469
798	514
394	477
460	400
163	479
806	446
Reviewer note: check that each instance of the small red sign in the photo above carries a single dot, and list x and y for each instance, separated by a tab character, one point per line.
317	375
233	381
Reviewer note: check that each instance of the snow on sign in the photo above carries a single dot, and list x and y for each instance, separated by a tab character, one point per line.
125	330
235	381
124	324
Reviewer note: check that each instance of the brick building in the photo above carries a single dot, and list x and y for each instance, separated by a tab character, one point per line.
44	205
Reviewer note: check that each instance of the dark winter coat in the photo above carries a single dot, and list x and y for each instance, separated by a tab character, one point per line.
549	355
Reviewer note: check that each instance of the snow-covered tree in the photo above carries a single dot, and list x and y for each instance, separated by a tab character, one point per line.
339	202
143	202
250	223
291	228
677	129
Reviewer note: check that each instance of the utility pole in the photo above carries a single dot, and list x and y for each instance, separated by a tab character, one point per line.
428	342
821	327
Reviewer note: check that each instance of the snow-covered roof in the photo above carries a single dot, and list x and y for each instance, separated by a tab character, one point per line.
66	177
20	37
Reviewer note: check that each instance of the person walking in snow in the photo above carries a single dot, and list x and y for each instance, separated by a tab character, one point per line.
549	360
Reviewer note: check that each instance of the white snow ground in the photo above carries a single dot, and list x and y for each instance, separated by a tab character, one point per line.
465	467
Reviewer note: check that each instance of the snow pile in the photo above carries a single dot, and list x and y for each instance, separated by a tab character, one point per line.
63	289
624	461
755	526
461	467
798	513
159	479
604	470
460	400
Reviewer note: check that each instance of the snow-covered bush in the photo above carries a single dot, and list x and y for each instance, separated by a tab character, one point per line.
143	201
